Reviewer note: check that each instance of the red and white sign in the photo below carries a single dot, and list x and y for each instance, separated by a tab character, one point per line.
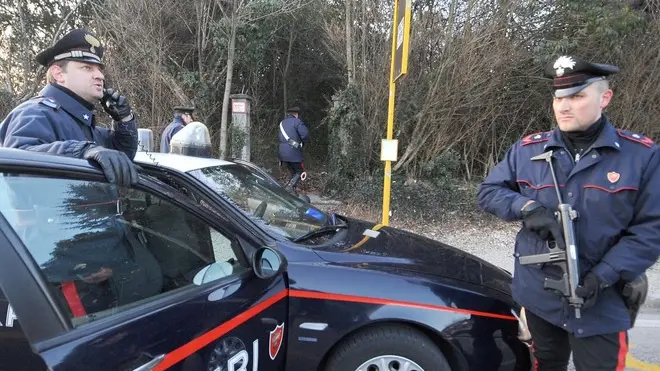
275	343
238	106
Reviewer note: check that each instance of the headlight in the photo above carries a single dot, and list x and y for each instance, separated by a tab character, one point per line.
523	330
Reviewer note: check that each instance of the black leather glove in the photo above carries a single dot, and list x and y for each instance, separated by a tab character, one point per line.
116	166
115	105
542	221
589	290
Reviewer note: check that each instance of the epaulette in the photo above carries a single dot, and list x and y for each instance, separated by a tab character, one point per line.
49	102
637	138
543	136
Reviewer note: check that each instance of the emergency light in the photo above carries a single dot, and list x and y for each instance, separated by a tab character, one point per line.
192	140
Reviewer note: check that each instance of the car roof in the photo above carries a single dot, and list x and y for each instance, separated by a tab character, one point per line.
12	156
177	162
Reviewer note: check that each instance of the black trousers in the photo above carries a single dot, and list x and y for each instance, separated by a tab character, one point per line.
296	169
552	348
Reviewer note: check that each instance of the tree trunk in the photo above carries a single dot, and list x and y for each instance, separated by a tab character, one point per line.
364	55
468	23
225	99
25	60
285	73
154	87
349	44
274	70
452	19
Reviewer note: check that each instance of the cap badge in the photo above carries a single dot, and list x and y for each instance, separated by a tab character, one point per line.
562	63
613	176
93	41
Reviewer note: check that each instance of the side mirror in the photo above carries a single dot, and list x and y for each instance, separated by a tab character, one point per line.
305	198
268	263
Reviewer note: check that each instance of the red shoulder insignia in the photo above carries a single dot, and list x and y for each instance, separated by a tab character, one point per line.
536	138
637	138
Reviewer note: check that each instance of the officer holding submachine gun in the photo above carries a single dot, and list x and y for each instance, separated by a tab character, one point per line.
588	197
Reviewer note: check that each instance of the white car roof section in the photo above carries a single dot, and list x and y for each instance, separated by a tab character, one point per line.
178	162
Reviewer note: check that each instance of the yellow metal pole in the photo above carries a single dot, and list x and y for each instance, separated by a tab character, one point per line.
390	126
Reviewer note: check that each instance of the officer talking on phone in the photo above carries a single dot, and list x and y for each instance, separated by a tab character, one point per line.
61	120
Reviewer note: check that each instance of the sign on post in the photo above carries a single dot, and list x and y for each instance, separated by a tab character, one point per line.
402	25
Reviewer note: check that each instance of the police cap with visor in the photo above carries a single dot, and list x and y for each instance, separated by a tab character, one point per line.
78	45
571	74
184	109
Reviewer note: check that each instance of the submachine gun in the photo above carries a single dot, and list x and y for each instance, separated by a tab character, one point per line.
566	259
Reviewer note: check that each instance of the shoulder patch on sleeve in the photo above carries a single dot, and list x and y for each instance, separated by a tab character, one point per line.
49	102
637	138
543	136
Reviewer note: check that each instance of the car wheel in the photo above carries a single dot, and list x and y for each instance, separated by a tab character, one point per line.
388	348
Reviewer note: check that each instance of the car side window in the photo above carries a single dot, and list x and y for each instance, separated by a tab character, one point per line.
104	249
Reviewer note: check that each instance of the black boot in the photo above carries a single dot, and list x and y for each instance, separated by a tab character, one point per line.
291	186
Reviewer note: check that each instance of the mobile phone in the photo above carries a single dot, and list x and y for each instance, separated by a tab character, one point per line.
105	100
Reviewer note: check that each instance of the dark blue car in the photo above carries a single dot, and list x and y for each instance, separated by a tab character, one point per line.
210	265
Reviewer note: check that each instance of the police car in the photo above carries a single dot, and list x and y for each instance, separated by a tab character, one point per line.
210	265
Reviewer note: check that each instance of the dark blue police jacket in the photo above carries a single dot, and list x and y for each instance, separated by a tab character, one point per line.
615	188
54	122
297	131
168	133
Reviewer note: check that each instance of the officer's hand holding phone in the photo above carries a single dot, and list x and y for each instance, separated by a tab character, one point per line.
116	105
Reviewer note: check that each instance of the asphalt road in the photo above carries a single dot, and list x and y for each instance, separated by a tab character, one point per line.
644	354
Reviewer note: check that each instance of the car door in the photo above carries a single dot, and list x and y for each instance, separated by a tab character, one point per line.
116	278
15	352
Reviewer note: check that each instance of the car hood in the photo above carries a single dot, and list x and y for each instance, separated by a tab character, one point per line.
412	252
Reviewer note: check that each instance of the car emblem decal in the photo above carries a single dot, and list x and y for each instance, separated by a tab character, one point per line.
613	176
275	342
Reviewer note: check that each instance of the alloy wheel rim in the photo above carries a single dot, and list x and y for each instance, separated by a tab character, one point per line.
389	363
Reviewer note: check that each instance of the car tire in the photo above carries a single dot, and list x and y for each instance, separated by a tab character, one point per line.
392	344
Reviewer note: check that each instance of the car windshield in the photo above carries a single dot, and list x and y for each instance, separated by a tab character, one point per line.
259	197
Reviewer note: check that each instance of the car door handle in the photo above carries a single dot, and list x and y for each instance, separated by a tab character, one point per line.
269	321
151	364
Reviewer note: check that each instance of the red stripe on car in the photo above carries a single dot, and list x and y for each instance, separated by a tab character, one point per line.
369	300
198	343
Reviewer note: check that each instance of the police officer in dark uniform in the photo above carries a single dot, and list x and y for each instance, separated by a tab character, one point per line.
611	178
61	120
293	134
183	115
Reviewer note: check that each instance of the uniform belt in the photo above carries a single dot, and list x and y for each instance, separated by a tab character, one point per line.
294	144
